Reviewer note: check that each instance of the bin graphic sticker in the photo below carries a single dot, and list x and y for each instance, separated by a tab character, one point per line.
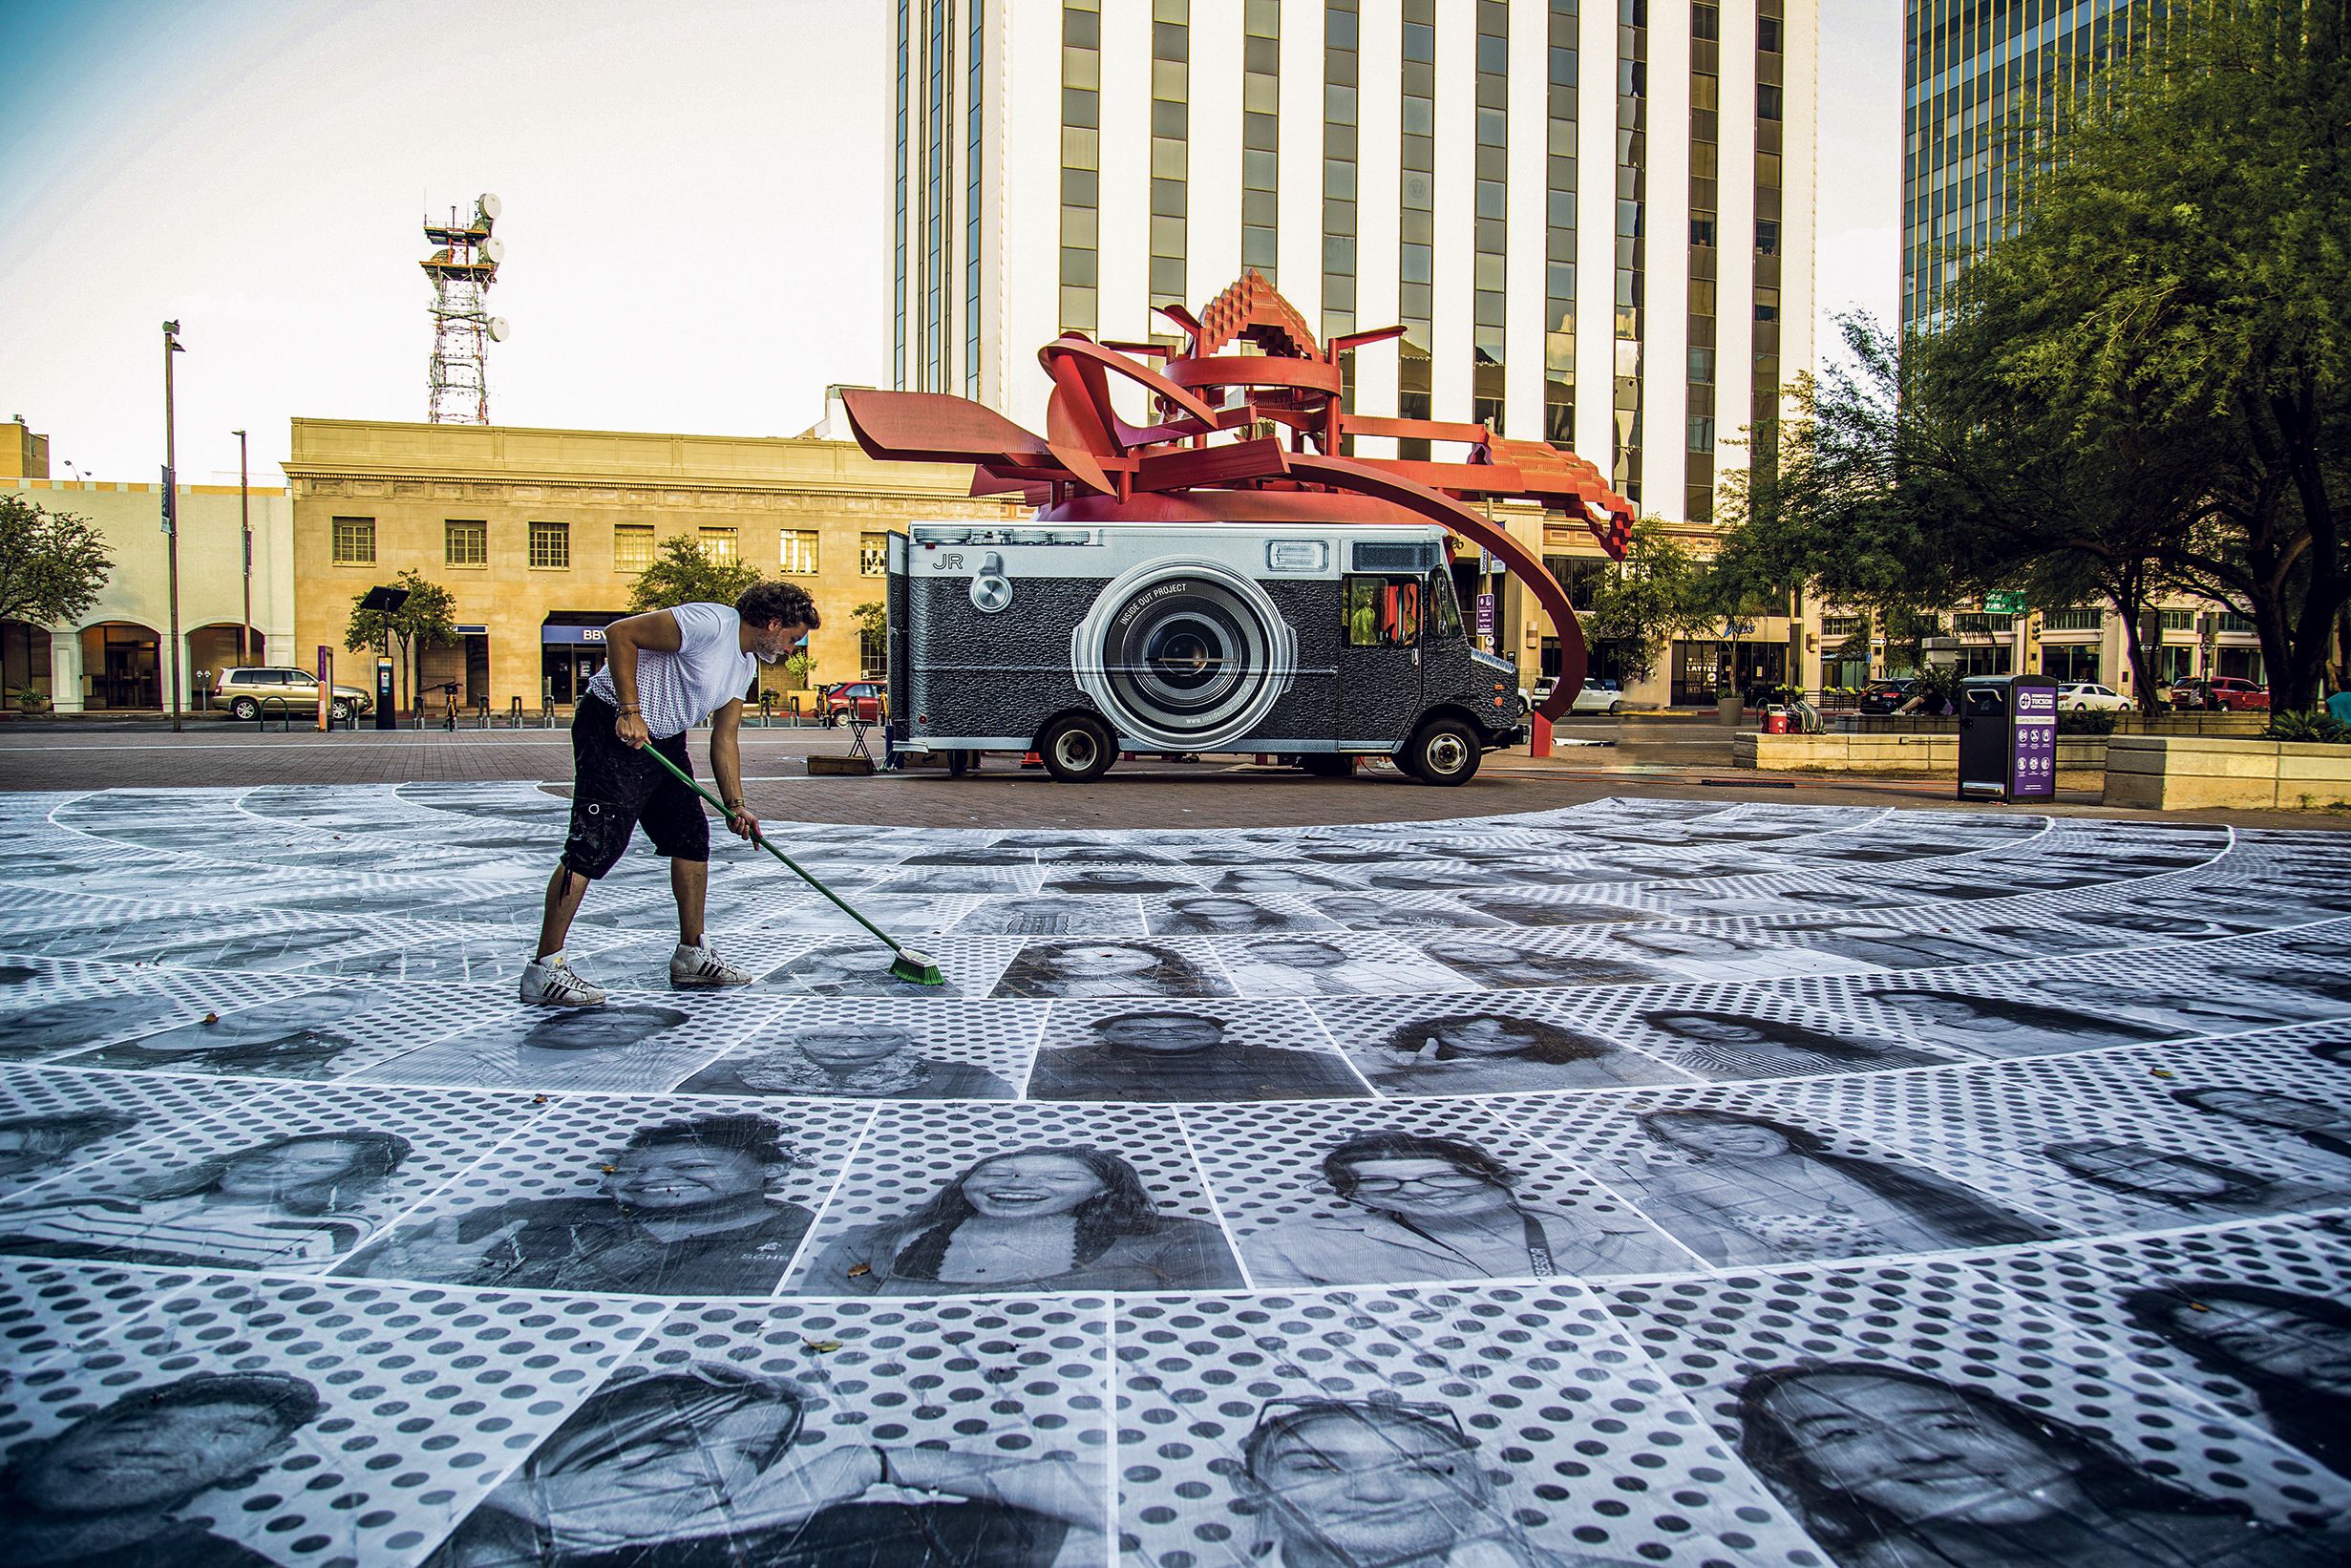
2032	743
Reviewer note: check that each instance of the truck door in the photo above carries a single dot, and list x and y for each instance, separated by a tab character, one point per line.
1379	661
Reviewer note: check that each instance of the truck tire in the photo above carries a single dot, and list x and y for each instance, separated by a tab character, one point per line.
1078	748
1443	752
1327	764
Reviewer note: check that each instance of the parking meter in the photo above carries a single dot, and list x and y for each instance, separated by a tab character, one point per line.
387	717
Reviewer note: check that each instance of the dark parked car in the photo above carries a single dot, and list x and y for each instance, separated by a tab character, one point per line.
1886	696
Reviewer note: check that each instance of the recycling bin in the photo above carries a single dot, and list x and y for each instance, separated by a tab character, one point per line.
2008	738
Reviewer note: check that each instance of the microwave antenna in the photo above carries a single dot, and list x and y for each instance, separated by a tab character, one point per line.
463	265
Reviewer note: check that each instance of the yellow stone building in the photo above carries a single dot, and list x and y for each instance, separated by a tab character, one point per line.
116	657
539	534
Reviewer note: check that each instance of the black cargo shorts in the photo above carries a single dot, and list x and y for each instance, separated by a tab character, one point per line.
615	788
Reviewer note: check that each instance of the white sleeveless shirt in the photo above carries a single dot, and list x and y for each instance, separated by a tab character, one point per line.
675	692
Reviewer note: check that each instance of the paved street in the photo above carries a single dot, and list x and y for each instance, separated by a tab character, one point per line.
1678	759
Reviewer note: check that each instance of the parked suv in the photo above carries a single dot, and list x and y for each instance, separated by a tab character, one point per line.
244	690
858	699
2232	693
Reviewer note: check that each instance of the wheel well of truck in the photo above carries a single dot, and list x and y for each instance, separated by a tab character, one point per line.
1073	710
1455	711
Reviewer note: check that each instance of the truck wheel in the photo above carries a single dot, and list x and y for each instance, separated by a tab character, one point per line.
246	708
1327	764
1078	750
1443	752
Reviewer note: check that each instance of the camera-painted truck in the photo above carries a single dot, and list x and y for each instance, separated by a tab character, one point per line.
1079	642
1230	575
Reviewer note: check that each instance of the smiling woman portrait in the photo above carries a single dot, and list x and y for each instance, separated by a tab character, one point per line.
1890	1467
1413	1207
1345	1483
1058	1217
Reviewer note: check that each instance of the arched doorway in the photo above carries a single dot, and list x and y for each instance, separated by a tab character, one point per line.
219	647
119	666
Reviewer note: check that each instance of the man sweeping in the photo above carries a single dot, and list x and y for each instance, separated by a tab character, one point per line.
664	671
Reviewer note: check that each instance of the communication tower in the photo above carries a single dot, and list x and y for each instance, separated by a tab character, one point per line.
462	270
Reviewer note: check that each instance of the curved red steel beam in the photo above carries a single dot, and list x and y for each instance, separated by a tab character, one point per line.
1348	474
1078	362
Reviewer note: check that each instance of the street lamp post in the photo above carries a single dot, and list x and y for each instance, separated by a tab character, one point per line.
244	518
171	507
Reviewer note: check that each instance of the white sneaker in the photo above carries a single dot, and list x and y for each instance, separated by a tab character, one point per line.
550	981
700	969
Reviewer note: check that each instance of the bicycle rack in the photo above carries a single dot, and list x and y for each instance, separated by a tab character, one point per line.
285	716
514	714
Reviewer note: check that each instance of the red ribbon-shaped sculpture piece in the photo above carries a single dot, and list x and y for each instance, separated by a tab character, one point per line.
1248	437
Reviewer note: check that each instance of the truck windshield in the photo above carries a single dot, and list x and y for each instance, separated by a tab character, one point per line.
1444	613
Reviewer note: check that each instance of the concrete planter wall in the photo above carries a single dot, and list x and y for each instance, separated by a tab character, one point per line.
2175	772
2246	725
1906	754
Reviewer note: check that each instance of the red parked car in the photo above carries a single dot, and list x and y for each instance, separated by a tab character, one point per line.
863	699
2221	693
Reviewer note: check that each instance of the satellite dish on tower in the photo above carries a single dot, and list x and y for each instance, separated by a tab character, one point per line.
488	206
492	250
497	328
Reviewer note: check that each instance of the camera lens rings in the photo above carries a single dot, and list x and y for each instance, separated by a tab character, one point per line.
1184	655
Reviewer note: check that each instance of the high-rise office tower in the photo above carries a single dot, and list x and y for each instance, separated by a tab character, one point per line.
1971	68
1593	218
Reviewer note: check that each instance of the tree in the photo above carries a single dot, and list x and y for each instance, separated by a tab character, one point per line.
426	619
2179	302
873	621
1911	478
1657	593
684	573
52	564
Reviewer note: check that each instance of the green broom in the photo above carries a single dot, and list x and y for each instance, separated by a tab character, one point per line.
909	965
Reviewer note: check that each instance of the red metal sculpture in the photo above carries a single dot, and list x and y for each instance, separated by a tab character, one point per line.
1092	466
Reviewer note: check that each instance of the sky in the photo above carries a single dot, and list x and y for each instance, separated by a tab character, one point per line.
695	196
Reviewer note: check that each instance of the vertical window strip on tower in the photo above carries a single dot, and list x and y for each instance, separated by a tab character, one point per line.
1632	255
1081	165
1171	146
1492	224
1764	407
898	254
972	56
1559	231
1341	95
938	260
1261	134
1705	247
1416	227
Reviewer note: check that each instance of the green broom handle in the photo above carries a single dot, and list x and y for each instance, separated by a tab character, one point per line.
760	839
